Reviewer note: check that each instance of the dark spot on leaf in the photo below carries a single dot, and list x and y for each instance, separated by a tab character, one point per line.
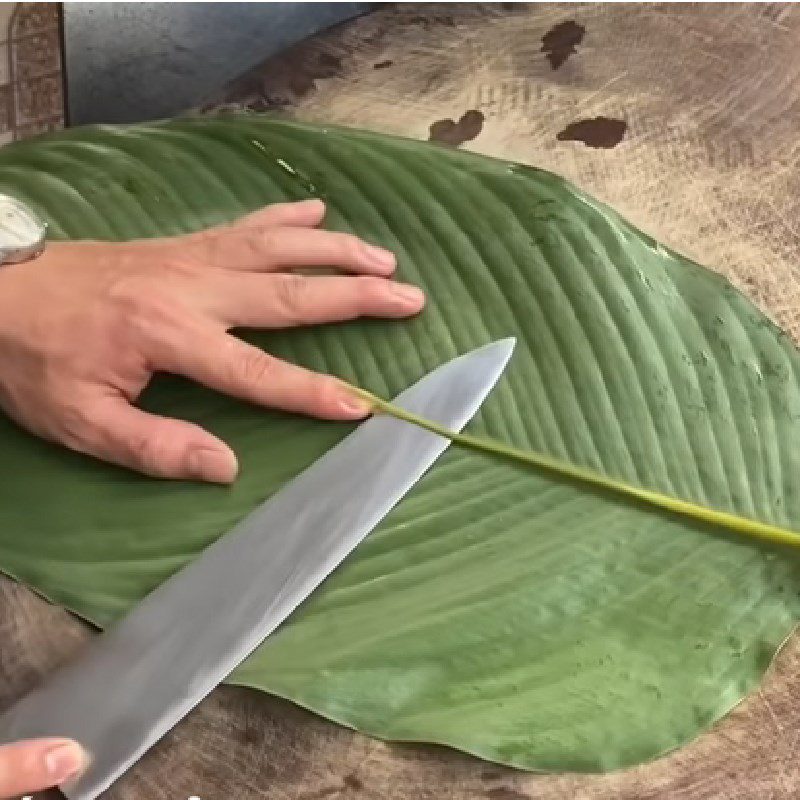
560	41
383	64
456	133
353	783
506	793
597	132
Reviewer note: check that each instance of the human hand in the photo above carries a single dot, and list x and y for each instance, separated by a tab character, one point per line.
28	767
84	326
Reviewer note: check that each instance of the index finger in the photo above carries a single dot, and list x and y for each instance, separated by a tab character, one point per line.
222	362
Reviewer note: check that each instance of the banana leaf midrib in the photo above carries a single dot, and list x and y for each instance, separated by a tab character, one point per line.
736	523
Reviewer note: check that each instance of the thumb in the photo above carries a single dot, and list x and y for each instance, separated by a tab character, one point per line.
157	446
34	765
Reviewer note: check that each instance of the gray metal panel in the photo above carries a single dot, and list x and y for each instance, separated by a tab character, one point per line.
134	682
127	62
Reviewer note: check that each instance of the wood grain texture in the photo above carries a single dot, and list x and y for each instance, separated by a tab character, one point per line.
710	100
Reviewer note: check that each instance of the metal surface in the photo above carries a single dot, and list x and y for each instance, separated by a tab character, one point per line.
127	62
137	680
22	233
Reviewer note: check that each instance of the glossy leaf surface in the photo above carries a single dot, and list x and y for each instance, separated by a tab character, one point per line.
499	610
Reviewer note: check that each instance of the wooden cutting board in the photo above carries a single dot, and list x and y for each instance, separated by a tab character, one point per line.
683	117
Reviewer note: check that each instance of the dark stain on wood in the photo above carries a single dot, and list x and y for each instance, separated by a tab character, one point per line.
279	81
456	133
352	783
250	734
320	794
506	793
428	20
383	64
560	41
331	64
598	132
493	774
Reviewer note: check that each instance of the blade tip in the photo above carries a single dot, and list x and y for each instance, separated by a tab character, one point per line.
505	346
510	342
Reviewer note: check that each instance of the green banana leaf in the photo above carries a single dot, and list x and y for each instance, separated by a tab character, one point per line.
499	610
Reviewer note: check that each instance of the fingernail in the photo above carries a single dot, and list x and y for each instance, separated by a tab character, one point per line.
354	406
63	761
215	466
410	295
380	257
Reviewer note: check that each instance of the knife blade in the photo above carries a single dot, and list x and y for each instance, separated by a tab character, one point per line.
135	681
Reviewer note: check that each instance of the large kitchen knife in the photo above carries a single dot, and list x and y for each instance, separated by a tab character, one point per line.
134	682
